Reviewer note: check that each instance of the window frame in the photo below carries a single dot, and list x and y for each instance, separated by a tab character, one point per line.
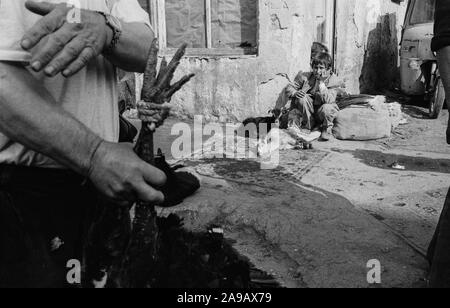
158	20
410	13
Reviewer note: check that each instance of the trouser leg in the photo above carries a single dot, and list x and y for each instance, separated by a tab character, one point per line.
283	100
439	252
444	68
326	114
41	230
279	110
306	108
295	118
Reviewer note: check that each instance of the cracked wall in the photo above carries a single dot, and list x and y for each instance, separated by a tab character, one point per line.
368	38
234	88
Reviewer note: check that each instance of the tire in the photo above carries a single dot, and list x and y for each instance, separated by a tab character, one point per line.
437	100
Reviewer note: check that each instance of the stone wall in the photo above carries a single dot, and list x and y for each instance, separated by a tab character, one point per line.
233	88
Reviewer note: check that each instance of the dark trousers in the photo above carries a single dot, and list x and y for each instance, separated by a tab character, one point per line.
43	218
441	25
439	251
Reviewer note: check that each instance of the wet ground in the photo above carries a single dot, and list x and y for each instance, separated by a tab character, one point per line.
399	162
317	219
302	235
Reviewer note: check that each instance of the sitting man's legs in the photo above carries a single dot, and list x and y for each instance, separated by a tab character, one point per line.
326	114
306	107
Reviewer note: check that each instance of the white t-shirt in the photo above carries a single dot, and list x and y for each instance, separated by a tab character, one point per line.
91	95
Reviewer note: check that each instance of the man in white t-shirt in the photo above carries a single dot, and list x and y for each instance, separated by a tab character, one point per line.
59	126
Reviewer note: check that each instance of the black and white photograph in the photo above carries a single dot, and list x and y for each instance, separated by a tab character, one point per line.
226	151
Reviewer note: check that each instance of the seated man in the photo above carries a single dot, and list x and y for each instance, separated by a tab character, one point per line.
313	97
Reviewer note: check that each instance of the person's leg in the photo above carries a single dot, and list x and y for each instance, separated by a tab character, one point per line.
327	113
295	118
439	253
306	108
25	255
280	112
13	246
41	226
283	100
444	67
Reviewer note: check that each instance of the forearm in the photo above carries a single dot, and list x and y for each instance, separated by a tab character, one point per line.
29	115
131	52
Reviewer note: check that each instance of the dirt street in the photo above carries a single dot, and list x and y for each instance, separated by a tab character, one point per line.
320	217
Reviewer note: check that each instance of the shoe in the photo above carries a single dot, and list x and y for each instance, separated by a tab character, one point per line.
299	131
327	134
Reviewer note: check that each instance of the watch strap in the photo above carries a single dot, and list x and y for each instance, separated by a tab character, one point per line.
117	32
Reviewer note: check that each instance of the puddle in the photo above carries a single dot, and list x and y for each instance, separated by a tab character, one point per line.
386	161
204	260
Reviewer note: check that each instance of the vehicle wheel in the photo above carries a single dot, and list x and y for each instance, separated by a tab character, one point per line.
437	100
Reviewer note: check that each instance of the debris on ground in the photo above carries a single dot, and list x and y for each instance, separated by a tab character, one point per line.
397	166
403	121
56	244
396	115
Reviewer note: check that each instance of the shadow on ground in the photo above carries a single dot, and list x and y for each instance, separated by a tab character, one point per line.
302	235
203	260
388	161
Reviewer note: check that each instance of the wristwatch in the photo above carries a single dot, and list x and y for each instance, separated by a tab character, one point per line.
116	26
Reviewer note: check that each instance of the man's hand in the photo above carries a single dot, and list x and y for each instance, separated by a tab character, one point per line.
322	88
300	94
66	47
123	177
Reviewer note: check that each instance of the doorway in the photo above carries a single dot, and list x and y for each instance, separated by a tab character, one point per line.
324	27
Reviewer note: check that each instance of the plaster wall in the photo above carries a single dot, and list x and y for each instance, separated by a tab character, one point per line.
234	88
